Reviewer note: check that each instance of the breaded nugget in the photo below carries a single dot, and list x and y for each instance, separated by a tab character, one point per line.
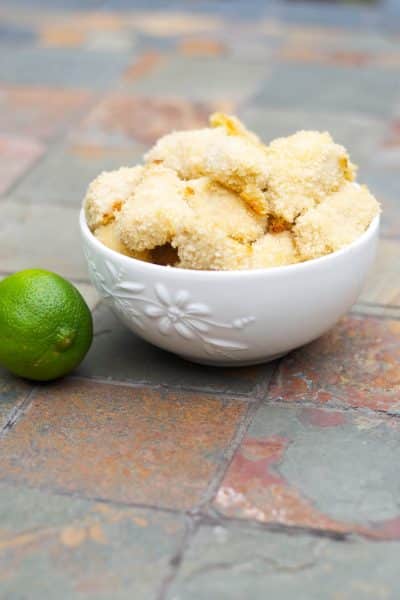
108	235
224	209
202	246
233	161
304	168
273	250
336	222
233	126
107	194
148	219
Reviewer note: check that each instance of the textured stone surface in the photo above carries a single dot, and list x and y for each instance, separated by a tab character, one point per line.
333	88
355	364
17	154
139	445
58	546
199	78
39	112
235	563
137	361
63	175
125	117
50	232
314	468
13	391
383	284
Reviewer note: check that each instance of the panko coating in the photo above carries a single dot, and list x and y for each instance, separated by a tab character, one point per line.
304	168
233	126
219	199
336	222
108	193
108	235
201	246
224	209
150	216
274	250
234	161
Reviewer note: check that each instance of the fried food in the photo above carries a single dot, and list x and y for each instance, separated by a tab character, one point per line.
235	161
108	235
336	222
220	199
108	193
304	169
150	217
274	250
224	209
204	246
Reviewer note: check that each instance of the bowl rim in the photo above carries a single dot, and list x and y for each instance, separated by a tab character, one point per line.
364	238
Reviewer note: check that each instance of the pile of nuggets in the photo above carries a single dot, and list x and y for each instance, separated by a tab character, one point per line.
219	199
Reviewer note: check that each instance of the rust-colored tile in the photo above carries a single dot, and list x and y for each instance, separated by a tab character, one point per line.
16	155
316	468
146	63
38	111
201	47
126	444
356	364
124	117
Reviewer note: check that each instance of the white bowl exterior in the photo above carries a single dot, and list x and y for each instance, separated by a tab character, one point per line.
230	318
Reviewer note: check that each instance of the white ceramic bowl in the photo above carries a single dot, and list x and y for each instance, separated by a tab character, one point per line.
230	318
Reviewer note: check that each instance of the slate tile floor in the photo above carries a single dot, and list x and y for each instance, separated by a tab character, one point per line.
143	476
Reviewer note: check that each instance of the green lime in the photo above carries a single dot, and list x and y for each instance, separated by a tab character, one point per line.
45	325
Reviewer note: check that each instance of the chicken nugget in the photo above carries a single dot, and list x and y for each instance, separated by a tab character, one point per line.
233	126
273	250
148	219
222	208
108	193
108	235
202	246
233	161
336	222
304	168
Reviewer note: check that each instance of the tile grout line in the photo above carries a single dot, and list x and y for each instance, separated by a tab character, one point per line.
191	527
17	412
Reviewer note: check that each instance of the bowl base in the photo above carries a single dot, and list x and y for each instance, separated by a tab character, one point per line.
233	363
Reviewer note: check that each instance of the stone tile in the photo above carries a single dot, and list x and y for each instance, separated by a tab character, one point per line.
17	154
76	549
355	364
383	284
385	184
39	112
360	134
121	118
42	236
13	391
71	67
236	562
63	176
316	468
204	78
134	360
173	22
340	90
89	293
139	445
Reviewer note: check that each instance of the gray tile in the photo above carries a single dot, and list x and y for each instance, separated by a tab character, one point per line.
61	67
13	391
120	355
235	563
359	133
64	174
201	78
41	236
66	548
331	89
